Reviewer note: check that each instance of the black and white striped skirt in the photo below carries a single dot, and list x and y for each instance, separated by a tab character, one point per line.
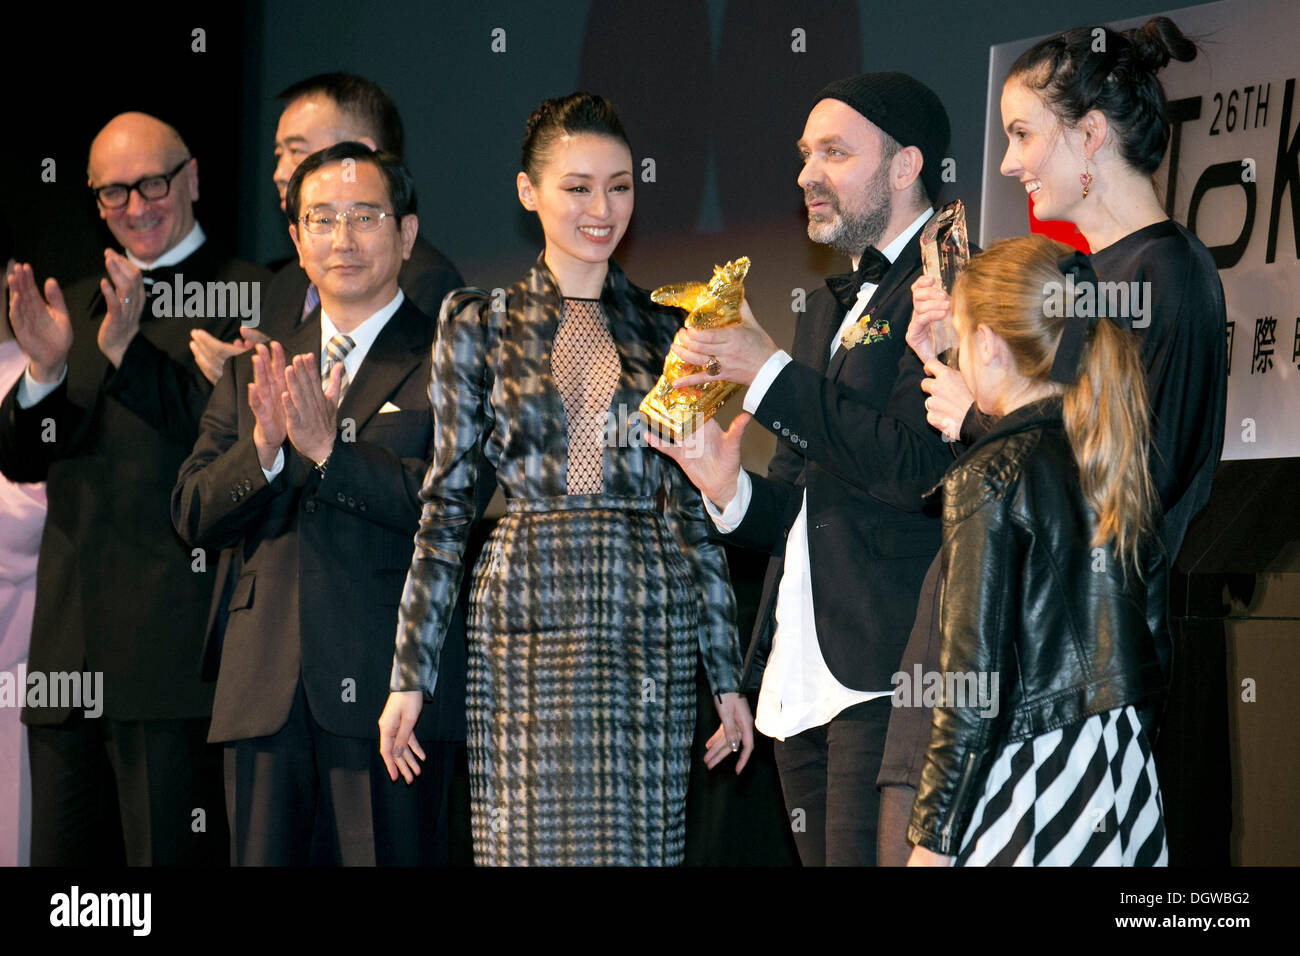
1083	795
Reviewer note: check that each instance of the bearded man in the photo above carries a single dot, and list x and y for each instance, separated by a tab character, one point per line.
840	509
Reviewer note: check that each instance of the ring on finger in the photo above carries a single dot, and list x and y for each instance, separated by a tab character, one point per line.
713	366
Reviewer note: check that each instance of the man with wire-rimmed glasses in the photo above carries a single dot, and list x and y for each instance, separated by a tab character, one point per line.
309	465
105	412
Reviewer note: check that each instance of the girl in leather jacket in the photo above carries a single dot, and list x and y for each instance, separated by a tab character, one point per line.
1053	583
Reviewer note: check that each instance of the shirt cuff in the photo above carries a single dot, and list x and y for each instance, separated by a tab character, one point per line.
277	466
30	391
767	372
729	518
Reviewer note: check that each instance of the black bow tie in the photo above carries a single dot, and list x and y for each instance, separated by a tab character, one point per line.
871	268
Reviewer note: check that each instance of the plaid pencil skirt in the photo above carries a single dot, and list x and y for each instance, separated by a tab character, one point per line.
583	635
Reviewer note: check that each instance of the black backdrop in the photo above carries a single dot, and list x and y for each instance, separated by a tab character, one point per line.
710	90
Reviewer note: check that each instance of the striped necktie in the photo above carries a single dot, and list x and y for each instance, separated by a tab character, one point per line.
336	351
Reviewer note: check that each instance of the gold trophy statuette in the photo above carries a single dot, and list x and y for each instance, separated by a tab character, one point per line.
677	412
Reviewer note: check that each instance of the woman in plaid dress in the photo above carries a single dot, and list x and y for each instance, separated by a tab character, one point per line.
600	586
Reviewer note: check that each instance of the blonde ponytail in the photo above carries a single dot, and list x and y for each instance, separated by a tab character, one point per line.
1108	420
1106	411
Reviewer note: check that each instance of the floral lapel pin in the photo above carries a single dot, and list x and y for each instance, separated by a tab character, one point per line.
866	329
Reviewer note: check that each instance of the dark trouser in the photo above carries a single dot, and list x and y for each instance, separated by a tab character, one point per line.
277	786
828	775
892	848
909	727
143	792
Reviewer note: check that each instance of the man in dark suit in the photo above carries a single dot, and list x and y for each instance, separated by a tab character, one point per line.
105	413
840	509
319	112
320	497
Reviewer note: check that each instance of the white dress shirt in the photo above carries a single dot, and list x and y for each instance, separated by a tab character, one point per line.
31	391
177	253
799	691
363	336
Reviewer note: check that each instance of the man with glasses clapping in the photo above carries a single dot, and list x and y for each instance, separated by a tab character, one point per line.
310	465
104	413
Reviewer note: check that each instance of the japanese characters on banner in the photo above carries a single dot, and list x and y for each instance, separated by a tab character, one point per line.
1232	176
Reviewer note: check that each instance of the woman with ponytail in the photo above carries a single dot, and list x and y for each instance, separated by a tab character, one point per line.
1053	596
1086	127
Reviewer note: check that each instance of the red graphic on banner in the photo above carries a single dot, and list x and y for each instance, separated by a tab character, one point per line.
1061	231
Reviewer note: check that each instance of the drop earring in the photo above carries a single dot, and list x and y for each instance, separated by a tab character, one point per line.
1085	178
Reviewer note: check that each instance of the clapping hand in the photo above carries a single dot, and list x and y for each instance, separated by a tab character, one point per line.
6	332
310	411
265	398
40	323
210	353
123	293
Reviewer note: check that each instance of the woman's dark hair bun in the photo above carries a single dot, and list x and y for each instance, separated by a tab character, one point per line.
1157	42
1073	73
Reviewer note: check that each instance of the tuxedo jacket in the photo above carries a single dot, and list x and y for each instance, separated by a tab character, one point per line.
425	278
117	591
852	433
322	559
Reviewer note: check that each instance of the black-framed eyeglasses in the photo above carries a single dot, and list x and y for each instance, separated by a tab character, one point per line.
321	221
150	188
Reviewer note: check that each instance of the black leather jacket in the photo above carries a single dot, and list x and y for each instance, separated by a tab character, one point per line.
1028	599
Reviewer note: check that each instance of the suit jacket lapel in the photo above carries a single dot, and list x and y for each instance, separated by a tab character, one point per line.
305	339
396	351
823	329
297	296
897	275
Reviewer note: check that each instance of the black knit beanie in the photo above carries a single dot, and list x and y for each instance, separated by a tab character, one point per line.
904	108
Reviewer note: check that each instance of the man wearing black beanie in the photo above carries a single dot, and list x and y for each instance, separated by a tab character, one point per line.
840	507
